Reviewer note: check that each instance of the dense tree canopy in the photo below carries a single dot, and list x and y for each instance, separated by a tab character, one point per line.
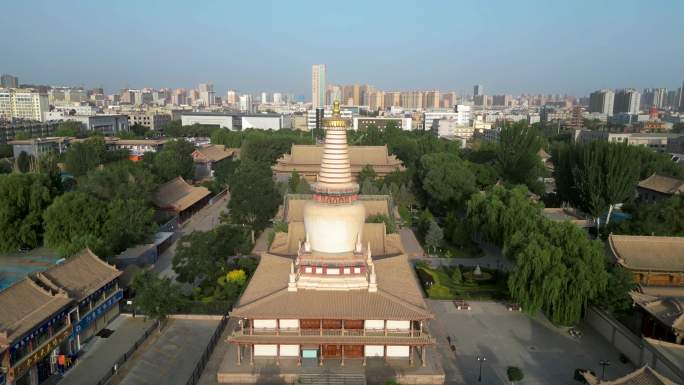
516	154
23	199
202	255
123	179
447	180
156	296
175	160
82	157
254	198
499	213
662	218
557	270
597	175
69	128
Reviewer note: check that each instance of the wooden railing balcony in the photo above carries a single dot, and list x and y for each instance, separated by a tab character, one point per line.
331	332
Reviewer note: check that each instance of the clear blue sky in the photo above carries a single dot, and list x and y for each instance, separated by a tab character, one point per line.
507	46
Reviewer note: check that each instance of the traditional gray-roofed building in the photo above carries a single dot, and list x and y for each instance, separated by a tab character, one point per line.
34	324
181	198
657	187
91	282
653	261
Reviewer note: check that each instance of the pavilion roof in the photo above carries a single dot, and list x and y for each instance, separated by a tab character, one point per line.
178	195
663	184
644	252
398	297
80	275
25	305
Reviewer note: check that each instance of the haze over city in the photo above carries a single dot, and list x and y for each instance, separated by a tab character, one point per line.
509	47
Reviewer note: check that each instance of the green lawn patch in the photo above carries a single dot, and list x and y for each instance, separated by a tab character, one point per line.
438	283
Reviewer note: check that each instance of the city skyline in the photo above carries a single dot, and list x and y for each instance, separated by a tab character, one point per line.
508	49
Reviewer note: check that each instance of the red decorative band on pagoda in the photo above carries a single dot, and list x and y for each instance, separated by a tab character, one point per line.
335	199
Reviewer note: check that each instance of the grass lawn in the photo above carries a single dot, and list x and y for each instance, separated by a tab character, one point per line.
438	284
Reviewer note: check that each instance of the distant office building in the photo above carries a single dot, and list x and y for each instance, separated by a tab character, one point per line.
264	97
277	98
246	104
478	90
314	117
460	116
318	84
66	96
681	98
502	100
17	103
238	121
232	98
103	124
207	95
602	102
432	99
381	123
654	97
9	81
480	100
151	120
627	100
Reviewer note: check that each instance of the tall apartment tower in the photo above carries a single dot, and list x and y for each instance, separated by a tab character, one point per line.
602	101
9	81
681	98
627	101
207	95
318	84
478	90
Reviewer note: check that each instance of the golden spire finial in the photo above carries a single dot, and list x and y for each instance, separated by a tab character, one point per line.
336	108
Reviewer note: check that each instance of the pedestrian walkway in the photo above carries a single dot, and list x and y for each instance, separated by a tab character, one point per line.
102	353
172	357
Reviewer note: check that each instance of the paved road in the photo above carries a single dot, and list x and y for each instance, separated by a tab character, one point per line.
172	357
492	258
411	245
101	353
205	219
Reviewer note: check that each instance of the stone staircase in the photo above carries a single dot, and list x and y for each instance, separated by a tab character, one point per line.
332	379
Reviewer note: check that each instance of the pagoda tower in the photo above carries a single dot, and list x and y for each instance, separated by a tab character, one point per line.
333	256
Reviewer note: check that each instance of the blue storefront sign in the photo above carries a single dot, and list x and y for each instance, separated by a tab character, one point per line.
96	313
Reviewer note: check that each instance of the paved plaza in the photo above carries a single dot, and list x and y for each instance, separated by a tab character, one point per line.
102	353
171	358
545	353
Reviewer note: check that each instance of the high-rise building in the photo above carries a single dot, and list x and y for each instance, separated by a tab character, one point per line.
478	90
602	102
277	98
432	99
264	97
627	101
356	94
207	95
9	81
502	100
318	84
681	98
17	103
246	103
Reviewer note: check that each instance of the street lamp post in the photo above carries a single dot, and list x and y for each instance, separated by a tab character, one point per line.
480	360
603	364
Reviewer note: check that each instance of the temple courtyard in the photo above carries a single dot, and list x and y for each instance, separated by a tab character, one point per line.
546	354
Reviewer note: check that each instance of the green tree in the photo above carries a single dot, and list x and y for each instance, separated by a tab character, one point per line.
294	181
127	223
225	172
368	187
124	179
557	270
202	256
615	298
138	129
514	374
23	199
499	213
23	162
6	150
447	181
517	160
456	276
82	157
68	128
175	160
367	172
662	218
73	222
254	198
434	236
596	176
157	297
